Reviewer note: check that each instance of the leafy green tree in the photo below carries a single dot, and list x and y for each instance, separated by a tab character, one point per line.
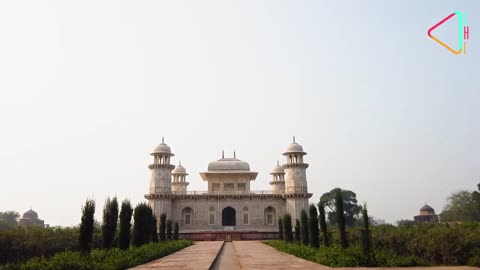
461	206
341	218
304	231
406	222
125	224
142	226
169	230
175	231
350	207
280	228
314	235
8	220
323	224
87	225
110	221
297	231
287	227
163	225
154	229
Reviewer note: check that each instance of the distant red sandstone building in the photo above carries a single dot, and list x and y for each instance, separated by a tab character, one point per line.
426	215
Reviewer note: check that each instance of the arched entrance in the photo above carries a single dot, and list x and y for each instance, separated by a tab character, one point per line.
228	216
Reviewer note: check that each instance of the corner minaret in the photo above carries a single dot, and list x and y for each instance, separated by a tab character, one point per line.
278	179
296	188
179	184
159	197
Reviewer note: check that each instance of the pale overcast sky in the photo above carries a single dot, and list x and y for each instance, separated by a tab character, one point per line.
88	88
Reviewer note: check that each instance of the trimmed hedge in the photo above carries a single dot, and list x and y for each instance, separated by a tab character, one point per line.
98	259
350	257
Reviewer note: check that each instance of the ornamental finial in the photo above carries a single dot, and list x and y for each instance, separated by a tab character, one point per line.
163	140
234	154
293	139
223	154
278	163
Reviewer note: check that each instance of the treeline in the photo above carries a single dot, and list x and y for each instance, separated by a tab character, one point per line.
20	244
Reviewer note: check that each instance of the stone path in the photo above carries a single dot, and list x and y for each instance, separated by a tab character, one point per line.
256	255
247	255
199	256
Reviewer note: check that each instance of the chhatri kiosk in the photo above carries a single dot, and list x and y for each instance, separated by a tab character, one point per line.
229	209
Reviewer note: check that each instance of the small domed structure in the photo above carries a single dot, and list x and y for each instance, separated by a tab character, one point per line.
30	218
426	215
179	169
30	214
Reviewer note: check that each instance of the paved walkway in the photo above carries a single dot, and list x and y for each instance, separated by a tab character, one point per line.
199	256
256	255
247	255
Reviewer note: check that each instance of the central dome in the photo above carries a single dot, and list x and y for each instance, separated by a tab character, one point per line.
228	164
30	214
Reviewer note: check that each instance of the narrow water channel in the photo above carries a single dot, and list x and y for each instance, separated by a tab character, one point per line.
227	259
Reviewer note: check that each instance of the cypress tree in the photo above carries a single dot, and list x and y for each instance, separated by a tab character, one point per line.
175	231
304	231
125	225
341	219
110	220
297	231
154	229
323	224
365	231
163	219
314	235
87	225
280	228
142	226
169	230
287	228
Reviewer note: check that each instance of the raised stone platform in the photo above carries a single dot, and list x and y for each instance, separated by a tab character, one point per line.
228	235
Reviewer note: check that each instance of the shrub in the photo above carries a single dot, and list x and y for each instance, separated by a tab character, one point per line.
297	230
337	257
280	228
142	226
102	259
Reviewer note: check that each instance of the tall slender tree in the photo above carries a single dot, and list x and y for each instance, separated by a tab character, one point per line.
154	229
142	226
280	228
314	235
125	224
169	230
366	230
163	225
323	224
87	225
341	219
287	228
304	231
297	231
175	231
109	223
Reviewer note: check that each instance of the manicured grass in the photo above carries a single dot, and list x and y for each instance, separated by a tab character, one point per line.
98	259
351	257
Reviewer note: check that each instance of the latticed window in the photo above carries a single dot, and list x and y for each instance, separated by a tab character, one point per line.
211	219
245	218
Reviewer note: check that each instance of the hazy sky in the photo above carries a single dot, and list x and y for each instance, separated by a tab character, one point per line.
88	88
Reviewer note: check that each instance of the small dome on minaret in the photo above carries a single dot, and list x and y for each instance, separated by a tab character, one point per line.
294	148
179	170
278	169
162	148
